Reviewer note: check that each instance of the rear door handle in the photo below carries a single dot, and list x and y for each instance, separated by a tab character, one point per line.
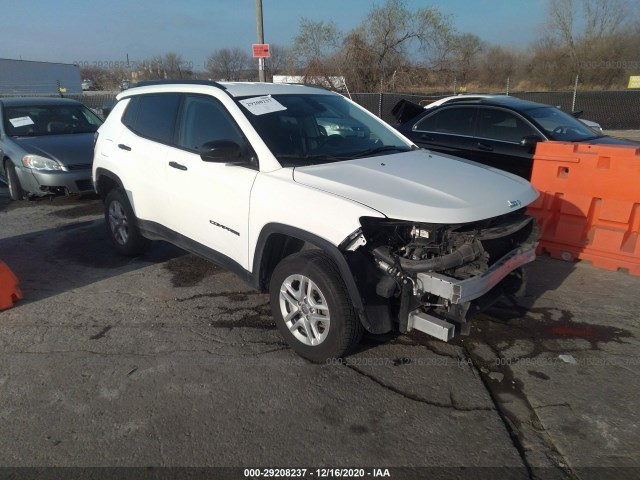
177	165
485	147
124	147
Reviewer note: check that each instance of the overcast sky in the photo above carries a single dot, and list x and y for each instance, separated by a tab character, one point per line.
102	31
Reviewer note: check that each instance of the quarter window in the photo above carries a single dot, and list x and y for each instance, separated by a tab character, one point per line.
131	113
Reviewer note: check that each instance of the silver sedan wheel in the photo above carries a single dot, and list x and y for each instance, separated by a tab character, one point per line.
10	184
118	223
304	310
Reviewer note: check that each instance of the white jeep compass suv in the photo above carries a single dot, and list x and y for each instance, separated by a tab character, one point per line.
304	194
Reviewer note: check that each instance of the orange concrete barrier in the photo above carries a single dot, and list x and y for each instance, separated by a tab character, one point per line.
9	291
589	204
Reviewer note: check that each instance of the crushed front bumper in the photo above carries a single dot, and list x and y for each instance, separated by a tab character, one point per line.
462	291
459	293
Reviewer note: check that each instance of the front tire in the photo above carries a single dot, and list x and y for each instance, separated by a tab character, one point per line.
15	189
122	226
312	308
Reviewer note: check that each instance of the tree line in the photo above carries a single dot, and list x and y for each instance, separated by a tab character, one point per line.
395	48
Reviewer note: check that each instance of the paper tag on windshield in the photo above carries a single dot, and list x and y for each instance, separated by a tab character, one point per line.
21	121
262	105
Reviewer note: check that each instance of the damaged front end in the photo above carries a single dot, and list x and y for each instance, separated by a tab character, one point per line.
434	277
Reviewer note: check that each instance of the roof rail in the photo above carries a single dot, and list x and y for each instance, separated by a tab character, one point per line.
146	83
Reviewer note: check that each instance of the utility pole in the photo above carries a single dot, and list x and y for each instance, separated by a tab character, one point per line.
261	74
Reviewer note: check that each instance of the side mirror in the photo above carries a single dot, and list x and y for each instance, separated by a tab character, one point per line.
221	151
530	141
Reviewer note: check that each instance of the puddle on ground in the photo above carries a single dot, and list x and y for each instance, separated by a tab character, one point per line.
504	325
189	270
258	317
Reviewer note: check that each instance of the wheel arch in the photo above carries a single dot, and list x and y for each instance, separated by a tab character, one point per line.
5	160
105	181
277	241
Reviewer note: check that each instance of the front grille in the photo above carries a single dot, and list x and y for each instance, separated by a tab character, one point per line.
84	185
79	166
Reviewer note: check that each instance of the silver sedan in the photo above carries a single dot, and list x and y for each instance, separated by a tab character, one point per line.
47	146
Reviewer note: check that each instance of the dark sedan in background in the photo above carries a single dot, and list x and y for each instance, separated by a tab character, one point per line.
47	146
501	132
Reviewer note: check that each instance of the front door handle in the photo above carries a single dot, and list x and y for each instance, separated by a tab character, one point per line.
177	165
485	147
124	147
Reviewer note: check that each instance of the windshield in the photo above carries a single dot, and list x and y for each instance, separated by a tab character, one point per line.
558	125
310	129
36	120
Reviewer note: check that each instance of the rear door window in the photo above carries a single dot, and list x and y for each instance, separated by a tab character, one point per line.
453	120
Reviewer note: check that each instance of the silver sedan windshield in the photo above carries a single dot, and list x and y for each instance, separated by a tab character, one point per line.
36	120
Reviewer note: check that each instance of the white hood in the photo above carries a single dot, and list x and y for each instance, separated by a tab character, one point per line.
422	186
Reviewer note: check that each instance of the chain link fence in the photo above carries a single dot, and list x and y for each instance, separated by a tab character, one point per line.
614	110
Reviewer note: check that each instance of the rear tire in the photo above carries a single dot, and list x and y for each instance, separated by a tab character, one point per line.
122	225
312	308
15	189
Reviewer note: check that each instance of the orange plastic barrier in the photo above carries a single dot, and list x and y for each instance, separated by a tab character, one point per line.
9	291
589	204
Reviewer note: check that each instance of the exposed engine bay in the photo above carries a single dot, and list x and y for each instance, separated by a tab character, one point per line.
434	277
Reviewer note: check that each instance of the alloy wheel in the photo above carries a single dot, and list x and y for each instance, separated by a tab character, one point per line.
118	223
304	310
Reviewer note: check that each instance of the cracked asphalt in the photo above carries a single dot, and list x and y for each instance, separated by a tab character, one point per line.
168	360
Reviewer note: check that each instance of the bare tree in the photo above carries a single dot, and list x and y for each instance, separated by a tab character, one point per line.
561	21
228	63
168	66
585	33
496	64
603	17
465	53
358	61
393	31
599	19
173	65
315	40
380	53
279	60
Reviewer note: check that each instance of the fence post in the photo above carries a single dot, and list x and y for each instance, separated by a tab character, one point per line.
508	79
380	106
575	91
